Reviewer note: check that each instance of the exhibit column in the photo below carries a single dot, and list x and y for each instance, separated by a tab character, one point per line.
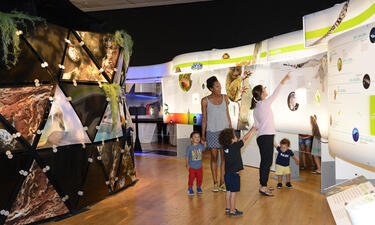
183	138
328	175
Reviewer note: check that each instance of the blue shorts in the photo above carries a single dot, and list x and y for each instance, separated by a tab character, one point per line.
305	142
232	182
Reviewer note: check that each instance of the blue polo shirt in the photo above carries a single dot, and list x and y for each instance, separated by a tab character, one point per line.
283	158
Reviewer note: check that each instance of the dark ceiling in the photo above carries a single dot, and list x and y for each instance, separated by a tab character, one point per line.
163	32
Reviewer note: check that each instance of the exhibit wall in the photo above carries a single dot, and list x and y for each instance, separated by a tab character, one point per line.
330	68
65	141
305	95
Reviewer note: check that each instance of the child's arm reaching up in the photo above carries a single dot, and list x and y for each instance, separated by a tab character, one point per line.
275	144
248	134
295	159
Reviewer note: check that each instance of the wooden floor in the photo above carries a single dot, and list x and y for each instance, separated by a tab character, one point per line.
160	197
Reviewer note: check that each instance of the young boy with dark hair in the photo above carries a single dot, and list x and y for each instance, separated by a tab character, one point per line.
233	164
282	162
194	162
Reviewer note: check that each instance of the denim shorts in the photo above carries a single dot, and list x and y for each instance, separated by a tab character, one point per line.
232	182
305	141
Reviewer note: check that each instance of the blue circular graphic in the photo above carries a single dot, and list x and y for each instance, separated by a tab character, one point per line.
355	134
372	35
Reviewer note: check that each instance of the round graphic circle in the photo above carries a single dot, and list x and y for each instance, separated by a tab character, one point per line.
292	101
366	81
372	35
355	134
339	64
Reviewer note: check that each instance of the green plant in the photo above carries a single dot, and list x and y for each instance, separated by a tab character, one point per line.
9	24
112	91
125	41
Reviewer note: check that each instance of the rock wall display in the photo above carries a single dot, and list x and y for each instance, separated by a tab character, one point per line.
59	119
24	108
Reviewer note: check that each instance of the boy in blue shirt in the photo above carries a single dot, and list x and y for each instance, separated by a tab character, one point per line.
194	162
282	162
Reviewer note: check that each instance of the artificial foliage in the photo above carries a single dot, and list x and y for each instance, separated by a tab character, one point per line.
112	91
9	25
124	40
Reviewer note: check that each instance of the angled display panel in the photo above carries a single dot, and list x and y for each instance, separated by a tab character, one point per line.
25	107
89	102
127	170
63	126
36	200
107	129
68	167
12	165
49	42
78	65
27	69
110	153
104	49
95	186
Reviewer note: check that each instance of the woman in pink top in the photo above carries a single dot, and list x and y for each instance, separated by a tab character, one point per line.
263	118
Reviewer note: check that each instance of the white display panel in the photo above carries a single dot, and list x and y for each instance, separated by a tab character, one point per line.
352	95
303	96
319	27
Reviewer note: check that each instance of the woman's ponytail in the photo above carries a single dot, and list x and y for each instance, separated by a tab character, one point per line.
257	92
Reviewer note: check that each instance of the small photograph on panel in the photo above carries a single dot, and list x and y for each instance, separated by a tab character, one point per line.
225	56
366	81
292	101
339	64
355	134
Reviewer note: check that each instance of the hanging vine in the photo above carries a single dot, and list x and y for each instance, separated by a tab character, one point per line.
9	25
125	41
112	91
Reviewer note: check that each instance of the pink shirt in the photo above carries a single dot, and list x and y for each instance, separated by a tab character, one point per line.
263	115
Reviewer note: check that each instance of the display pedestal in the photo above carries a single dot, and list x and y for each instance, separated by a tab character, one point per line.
183	139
